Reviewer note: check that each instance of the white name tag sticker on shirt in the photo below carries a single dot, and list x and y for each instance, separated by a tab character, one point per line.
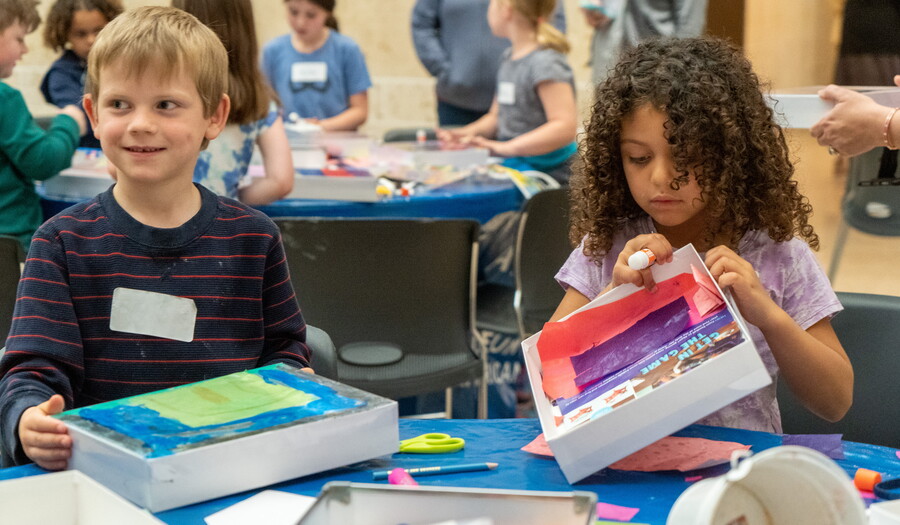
506	93
309	72
151	313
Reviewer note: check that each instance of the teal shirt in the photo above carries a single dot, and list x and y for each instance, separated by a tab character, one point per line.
28	154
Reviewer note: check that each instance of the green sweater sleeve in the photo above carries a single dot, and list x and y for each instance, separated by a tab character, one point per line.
34	153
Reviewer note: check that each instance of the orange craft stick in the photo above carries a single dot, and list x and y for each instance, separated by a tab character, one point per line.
866	479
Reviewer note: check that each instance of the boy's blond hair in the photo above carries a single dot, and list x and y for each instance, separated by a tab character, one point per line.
22	11
163	37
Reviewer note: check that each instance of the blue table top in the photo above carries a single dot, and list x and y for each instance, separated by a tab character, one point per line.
479	197
500	440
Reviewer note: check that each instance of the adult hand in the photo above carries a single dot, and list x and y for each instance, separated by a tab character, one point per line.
45	439
656	243
855	123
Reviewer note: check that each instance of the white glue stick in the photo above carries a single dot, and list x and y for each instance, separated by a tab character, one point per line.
641	259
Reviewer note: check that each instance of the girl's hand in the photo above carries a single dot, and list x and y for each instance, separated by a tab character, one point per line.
450	137
45	440
622	273
595	18
753	300
496	147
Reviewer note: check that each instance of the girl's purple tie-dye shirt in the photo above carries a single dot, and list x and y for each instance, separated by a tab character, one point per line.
788	270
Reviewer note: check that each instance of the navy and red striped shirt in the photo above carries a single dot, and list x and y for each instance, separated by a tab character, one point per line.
228	259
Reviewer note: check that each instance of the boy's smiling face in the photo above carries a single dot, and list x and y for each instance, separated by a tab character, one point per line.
12	47
151	125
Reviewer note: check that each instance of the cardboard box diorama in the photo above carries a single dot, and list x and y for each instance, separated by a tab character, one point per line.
238	432
343	503
631	367
802	107
76	500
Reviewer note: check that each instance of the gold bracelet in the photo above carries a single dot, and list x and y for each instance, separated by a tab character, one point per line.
886	132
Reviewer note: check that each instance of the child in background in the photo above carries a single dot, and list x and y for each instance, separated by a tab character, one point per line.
682	148
27	152
533	116
254	116
319	74
72	26
211	269
454	43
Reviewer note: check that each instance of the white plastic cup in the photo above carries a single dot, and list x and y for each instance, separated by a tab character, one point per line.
779	486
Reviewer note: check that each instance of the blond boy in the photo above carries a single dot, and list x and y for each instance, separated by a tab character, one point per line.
222	299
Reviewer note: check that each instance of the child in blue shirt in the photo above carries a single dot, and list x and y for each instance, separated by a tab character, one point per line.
319	74
27	153
72	26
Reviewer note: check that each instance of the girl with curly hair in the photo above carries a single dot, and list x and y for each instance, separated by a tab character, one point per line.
72	26
681	148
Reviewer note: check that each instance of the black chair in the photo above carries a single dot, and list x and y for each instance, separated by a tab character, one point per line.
542	246
871	202
408	134
869	330
324	355
397	298
11	254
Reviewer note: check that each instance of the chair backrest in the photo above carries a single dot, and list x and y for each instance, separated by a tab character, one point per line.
323	352
408	134
869	330
10	255
541	250
407	282
871	202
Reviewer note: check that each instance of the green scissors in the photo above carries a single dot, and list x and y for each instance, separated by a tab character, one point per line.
434	443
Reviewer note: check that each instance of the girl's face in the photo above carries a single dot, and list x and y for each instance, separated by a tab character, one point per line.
85	26
496	15
650	170
307	20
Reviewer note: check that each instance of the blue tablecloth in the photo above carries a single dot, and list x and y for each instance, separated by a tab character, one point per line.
479	197
499	441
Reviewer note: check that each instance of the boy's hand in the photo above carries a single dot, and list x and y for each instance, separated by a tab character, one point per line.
76	113
753	300
656	243
45	440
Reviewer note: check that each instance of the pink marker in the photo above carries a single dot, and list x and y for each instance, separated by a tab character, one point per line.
641	259
398	476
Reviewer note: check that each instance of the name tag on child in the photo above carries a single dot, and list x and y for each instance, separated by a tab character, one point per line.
151	313
506	93
309	72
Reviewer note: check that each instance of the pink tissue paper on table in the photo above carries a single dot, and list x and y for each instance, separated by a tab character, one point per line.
608	511
669	453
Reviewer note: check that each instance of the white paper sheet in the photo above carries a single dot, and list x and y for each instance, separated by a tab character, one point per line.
271	507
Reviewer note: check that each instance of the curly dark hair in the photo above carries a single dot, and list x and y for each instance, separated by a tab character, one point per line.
59	19
720	129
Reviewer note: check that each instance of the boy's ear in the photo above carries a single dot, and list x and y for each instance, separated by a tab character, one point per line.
219	118
88	104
